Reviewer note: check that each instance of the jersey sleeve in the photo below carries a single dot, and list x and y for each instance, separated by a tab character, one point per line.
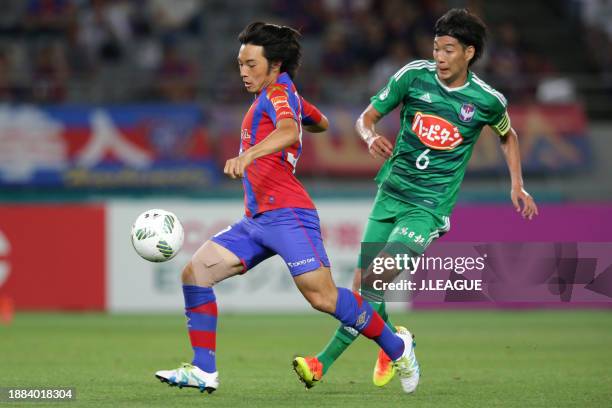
310	114
500	120
280	106
388	98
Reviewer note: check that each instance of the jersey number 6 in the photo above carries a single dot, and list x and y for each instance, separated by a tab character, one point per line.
423	160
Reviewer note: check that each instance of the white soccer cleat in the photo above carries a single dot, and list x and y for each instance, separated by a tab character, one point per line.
188	375
407	366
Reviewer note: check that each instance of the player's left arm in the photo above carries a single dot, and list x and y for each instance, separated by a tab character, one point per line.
510	148
313	120
285	135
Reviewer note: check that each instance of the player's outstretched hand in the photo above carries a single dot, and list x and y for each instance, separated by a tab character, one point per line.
236	166
380	146
518	196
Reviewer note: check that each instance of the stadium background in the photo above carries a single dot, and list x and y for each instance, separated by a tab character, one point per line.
109	108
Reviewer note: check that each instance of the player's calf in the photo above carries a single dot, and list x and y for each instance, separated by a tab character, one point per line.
319	289
211	264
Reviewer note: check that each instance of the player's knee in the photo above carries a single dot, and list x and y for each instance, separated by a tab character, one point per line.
317	302
322	301
210	266
187	274
200	268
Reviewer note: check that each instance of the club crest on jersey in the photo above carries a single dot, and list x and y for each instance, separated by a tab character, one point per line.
245	135
466	113
436	132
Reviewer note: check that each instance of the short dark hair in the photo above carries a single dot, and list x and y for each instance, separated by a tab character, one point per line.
466	27
280	44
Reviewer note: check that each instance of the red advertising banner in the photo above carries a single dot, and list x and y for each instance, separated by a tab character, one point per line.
53	257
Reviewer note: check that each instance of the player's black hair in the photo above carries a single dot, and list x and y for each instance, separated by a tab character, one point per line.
466	27
280	44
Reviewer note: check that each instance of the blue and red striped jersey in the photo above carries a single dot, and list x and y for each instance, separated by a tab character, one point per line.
269	182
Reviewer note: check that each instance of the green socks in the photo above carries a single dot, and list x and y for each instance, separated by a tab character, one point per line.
345	336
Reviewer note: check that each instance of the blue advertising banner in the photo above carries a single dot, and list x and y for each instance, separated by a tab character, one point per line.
136	146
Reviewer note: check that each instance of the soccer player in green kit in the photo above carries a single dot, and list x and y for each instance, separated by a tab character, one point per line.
444	108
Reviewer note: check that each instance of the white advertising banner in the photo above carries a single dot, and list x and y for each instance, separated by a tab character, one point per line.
135	285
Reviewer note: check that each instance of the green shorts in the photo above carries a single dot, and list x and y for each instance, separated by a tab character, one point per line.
395	221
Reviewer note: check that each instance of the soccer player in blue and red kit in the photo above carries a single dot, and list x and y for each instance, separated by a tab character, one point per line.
280	218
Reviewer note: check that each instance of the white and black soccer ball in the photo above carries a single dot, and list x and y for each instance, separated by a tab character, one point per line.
157	235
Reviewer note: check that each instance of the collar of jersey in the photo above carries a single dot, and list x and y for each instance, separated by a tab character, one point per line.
459	88
282	79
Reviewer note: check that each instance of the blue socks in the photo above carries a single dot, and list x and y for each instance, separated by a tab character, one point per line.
201	312
354	312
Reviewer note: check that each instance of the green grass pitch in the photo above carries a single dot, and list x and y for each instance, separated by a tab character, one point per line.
471	359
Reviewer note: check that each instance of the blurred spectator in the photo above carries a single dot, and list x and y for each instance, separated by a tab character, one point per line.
104	29
76	53
399	55
505	64
148	51
12	18
398	20
423	43
556	90
9	91
176	76
50	74
432	10
118	15
597	13
309	17
337	56
345	10
48	17
371	44
172	17
597	19
346	43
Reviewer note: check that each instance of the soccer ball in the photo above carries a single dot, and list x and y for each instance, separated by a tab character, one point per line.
157	235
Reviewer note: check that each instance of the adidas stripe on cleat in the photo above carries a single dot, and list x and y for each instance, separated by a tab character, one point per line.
407	366
188	375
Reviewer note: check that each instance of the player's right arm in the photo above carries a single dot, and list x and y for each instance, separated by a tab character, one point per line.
285	135
378	145
381	104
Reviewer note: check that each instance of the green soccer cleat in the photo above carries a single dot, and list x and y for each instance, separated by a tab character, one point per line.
308	369
188	375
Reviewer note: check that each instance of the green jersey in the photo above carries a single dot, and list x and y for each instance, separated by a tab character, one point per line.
439	127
